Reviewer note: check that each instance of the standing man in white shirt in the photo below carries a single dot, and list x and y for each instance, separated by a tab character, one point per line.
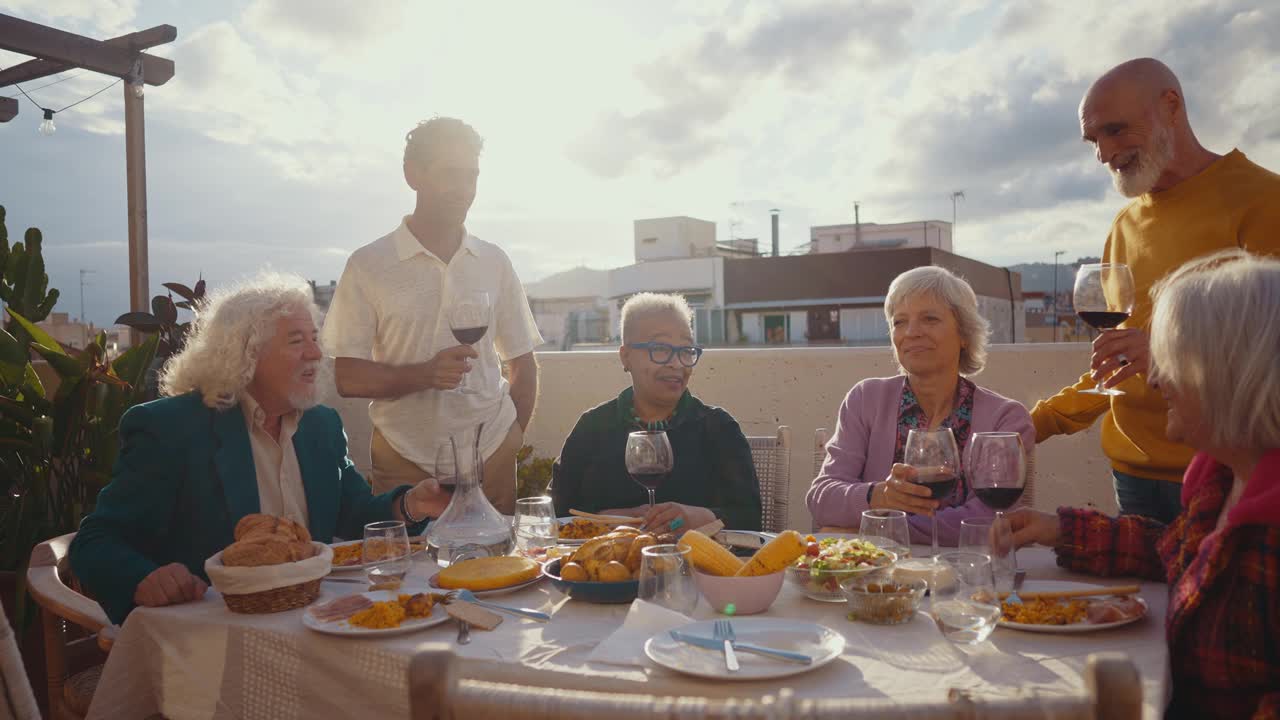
388	329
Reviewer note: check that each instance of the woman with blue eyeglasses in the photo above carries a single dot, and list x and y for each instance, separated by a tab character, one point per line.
713	476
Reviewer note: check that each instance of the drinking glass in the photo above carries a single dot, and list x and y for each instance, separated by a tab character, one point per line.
995	539
535	525
963	598
666	578
995	465
649	459
1103	298
469	321
936	460
385	553
887	529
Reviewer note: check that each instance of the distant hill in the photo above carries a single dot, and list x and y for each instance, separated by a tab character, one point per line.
1038	277
578	282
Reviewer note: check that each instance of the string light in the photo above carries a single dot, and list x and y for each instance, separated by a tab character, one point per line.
46	126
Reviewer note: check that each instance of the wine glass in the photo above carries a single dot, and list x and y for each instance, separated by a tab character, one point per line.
649	459
535	525
962	597
996	466
469	321
666	578
887	529
385	554
936	460
1103	298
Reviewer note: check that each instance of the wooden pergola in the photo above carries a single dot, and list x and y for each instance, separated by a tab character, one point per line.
55	51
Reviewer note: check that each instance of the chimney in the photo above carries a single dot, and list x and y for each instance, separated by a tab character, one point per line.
774	215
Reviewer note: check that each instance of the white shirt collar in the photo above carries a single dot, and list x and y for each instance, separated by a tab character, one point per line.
407	244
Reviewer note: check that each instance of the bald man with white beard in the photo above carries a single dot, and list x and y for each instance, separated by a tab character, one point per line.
1187	201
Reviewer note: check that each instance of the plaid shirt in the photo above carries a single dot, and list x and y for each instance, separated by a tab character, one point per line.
1223	626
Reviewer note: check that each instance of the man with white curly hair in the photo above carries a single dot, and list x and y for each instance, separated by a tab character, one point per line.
241	431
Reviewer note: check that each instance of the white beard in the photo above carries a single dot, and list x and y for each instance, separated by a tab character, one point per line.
1150	162
319	389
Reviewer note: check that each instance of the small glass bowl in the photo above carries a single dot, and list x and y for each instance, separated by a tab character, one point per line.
826	585
880	598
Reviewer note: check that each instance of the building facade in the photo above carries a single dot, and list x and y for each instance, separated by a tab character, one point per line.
877	236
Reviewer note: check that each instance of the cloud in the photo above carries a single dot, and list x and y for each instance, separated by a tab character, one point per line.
321	25
98	19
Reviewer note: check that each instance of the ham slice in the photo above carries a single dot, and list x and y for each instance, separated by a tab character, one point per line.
340	609
1114	610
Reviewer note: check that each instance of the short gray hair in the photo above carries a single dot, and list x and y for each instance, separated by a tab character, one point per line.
230	328
955	292
648	304
1215	332
423	142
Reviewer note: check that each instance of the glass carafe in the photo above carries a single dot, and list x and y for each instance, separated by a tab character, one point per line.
470	526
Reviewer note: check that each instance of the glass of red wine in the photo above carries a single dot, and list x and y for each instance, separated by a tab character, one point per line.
996	466
936	460
469	321
649	459
1103	298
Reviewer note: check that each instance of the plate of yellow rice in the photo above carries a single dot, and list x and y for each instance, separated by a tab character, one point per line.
1070	615
390	613
347	556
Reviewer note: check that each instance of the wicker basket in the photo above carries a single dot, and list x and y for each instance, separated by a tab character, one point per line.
270	588
273	601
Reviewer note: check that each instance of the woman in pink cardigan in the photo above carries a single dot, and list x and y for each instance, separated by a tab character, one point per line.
938	338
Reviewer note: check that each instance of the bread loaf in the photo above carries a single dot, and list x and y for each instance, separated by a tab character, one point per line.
267	540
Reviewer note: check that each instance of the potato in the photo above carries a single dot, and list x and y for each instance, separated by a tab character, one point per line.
633	555
573	572
614	571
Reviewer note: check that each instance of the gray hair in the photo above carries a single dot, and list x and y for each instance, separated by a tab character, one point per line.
229	330
1215	332
955	292
423	142
647	304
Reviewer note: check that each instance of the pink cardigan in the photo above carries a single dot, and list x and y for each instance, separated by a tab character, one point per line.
861	452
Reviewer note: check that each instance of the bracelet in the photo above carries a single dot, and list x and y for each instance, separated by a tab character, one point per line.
404	509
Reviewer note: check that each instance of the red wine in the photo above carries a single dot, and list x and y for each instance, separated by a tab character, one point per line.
1103	320
941	484
471	335
998	498
649	480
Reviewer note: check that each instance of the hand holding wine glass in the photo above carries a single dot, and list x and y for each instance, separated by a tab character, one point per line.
469	321
936	460
996	467
649	460
1103	298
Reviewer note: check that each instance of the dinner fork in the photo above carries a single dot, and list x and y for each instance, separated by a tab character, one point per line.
1018	577
464	632
723	632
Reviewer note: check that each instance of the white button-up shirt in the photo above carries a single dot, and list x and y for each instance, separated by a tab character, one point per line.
390	306
280	490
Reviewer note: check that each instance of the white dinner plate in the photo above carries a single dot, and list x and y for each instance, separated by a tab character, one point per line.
360	567
1080	627
342	627
435	585
818	641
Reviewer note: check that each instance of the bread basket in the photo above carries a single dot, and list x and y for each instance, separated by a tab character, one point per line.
270	588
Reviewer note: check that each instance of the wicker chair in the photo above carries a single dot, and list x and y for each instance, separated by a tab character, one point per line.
441	687
771	455
77	633
16	699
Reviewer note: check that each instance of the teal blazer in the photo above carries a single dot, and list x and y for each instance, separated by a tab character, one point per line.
185	477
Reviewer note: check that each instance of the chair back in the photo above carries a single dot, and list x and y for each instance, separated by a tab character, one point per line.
771	455
16	698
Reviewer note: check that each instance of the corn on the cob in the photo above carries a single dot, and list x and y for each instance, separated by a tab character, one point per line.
775	555
709	556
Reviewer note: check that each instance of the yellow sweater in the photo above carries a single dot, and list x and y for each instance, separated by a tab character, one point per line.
1232	203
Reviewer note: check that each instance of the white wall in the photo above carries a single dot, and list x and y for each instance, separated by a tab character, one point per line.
839	238
802	388
673	237
670	275
863	325
799	326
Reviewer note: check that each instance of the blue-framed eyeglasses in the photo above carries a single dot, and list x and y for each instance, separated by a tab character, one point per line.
661	353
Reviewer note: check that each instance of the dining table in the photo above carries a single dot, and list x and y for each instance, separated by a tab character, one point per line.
199	660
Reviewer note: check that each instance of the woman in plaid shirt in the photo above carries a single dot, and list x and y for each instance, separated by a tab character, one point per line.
1215	339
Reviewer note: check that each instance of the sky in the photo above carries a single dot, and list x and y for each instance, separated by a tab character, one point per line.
278	142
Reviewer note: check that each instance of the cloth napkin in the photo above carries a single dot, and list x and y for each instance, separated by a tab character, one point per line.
625	646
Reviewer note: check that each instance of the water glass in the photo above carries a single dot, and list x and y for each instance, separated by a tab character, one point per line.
888	530
385	553
963	598
992	537
666	578
535	525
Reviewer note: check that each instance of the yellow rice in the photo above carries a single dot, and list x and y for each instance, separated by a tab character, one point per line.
379	616
1046	612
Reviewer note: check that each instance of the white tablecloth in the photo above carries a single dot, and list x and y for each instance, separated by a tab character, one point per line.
202	661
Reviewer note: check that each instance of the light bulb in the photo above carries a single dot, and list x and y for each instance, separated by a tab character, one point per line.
46	126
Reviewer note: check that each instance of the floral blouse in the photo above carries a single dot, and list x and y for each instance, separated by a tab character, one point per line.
911	416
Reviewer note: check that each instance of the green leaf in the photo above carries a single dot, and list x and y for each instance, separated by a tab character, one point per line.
66	366
39	336
13	359
31	383
140	321
131	366
185	292
162	307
